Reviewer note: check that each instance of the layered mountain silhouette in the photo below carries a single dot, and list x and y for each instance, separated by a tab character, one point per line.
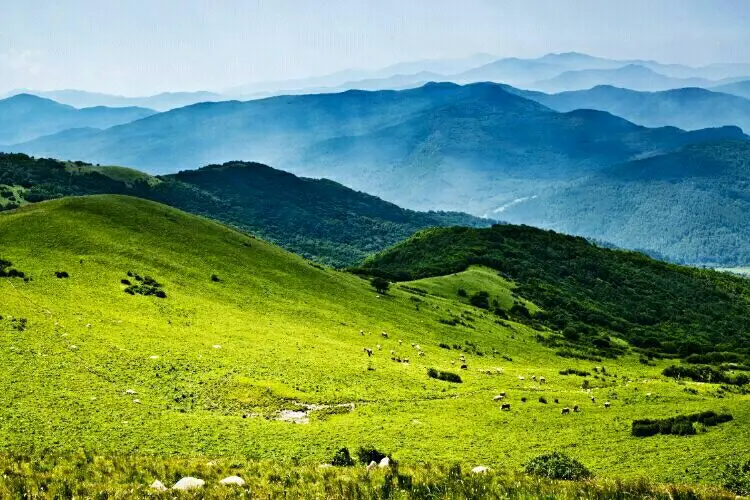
470	147
26	117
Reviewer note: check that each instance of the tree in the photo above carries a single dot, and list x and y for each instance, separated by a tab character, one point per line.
381	285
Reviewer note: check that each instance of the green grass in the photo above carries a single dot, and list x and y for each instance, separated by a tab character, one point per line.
122	174
289	335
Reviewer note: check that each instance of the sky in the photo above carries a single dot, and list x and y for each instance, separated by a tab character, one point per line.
139	47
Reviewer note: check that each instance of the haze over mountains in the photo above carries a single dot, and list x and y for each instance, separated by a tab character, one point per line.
510	153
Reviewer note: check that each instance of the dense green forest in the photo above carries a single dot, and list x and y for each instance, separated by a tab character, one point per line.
319	219
591	295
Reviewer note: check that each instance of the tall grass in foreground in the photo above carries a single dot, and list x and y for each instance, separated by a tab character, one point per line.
88	476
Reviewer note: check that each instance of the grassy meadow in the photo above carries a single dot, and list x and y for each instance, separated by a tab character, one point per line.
247	330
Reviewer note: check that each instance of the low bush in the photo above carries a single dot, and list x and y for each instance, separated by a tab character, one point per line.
62	274
681	425
342	458
573	371
367	454
146	285
557	466
446	376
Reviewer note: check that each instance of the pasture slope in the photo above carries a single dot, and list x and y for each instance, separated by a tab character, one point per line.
246	330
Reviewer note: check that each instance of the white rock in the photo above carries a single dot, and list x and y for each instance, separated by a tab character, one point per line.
233	481
385	462
325	466
480	469
216	346
153	357
188	483
130	392
137	401
372	465
158	486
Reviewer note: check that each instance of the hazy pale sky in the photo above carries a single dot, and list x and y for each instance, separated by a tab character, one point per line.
136	47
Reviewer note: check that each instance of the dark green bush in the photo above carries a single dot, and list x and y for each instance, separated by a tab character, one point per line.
342	458
461	292
367	454
215	278
573	371
381	285
681	425
441	375
480	300
558	466
62	274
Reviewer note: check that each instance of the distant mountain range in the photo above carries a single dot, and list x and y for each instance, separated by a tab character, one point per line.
26	117
473	147
160	102
551	73
687	108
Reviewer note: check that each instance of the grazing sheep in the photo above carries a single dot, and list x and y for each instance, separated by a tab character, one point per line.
393	353
400	341
406	360
542	380
557	401
453	362
565	411
593	399
378	346
464	367
372	465
384	334
523	400
606	404
521	378
576	409
505	406
362	332
385	462
130	392
417	347
420	353
499	397
533	377
502	394
368	351
412	344
480	469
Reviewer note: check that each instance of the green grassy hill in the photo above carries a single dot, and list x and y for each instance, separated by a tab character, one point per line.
596	297
316	218
247	330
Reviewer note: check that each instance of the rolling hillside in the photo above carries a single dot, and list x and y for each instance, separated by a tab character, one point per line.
246	337
27	117
690	205
595	296
319	219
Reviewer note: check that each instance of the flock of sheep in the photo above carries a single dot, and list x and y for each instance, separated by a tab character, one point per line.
462	359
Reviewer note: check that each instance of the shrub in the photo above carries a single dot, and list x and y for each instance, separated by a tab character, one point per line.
557	466
681	425
443	345
342	458
542	400
215	278
62	274
736	477
381	285
573	371
446	376
480	300
369	454
461	292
